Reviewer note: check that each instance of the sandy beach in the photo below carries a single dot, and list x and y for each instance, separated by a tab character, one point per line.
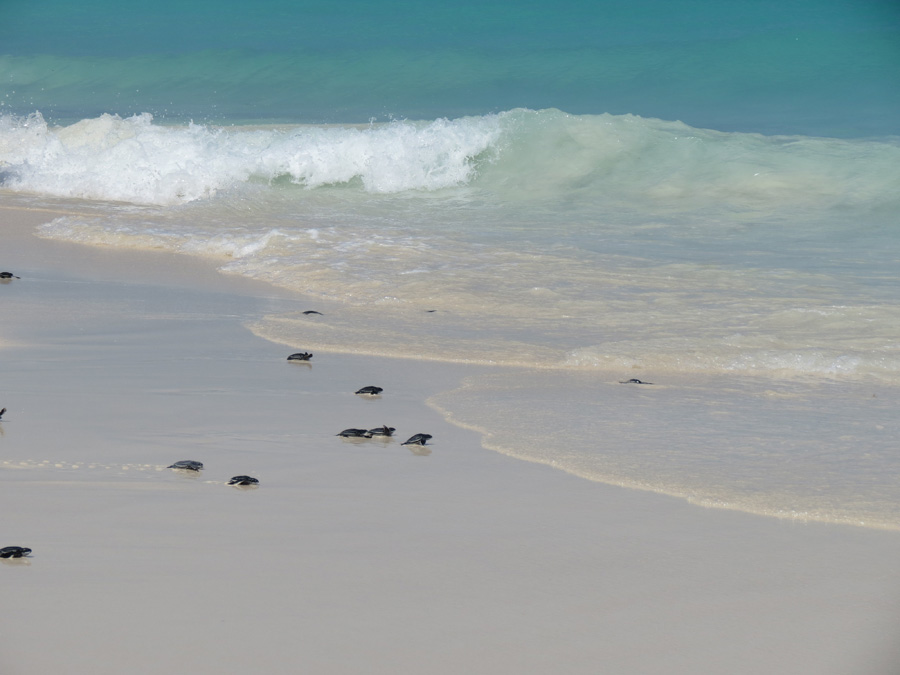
352	556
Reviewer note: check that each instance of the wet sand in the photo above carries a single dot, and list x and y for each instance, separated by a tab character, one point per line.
351	556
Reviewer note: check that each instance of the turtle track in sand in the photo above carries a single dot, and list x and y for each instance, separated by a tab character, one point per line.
77	470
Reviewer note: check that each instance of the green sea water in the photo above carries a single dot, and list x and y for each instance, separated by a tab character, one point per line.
813	67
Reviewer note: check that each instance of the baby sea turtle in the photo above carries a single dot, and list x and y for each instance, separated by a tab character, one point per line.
1	412
371	391
417	439
243	480
300	356
187	465
354	433
8	275
312	311
382	431
633	380
14	552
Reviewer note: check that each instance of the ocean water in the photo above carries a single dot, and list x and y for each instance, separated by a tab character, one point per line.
697	195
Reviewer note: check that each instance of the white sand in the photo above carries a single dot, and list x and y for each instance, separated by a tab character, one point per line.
351	557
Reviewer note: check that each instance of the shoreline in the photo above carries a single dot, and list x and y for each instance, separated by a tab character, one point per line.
352	556
795	453
341	326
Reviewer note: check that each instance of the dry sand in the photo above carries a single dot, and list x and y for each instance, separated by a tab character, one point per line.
351	557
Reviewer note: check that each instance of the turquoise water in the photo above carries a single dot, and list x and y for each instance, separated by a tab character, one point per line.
702	195
813	67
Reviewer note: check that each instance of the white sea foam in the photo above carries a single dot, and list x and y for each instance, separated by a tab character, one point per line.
716	357
521	154
135	160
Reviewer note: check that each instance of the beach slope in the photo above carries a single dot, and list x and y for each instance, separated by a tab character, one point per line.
352	556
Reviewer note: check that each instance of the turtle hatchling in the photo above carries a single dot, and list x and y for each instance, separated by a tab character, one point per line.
300	356
371	391
1	412
382	431
633	380
354	433
417	439
243	480
187	465
8	275
14	552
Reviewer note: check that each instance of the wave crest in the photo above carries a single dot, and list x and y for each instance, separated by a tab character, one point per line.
135	160
620	162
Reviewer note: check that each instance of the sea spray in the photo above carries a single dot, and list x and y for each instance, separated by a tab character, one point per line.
135	160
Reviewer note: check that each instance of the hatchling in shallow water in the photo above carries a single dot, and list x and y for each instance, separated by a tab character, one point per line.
186	465
300	356
8	275
417	439
244	480
382	431
633	380
371	391
14	552
354	433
